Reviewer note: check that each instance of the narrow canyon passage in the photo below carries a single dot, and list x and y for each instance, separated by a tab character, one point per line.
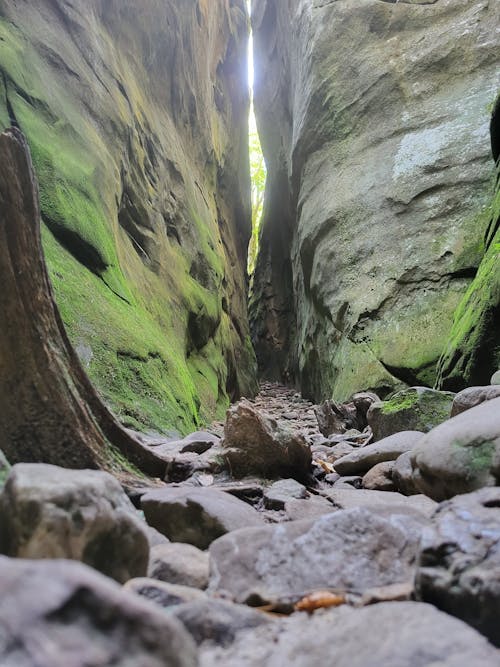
236	429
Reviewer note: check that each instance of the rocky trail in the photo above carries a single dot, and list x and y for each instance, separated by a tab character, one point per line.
292	534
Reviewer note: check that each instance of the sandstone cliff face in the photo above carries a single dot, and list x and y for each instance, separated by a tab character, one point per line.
374	118
136	115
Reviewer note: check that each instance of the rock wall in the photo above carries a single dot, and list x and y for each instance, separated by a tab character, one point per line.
374	118
136	115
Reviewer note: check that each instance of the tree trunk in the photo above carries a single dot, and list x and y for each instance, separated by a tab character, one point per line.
49	410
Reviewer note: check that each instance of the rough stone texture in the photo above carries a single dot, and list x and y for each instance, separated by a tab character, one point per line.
51	512
393	634
196	516
472	396
63	614
380	501
366	142
257	444
461	455
218	621
495	378
361	460
402	475
277	495
353	550
162	593
308	509
178	563
379	478
137	121
417	408
460	560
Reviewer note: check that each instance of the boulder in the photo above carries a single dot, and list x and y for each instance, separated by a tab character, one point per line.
351	551
472	396
256	444
495	378
51	512
64	614
388	449
461	455
392	634
179	563
402	475
414	409
196	515
459	563
218	621
379	478
162	593
276	495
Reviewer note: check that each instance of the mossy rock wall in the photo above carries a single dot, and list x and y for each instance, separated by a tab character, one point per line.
374	119
136	116
472	353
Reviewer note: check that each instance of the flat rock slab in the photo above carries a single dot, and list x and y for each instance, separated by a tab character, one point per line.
196	515
311	508
64	614
179	563
353	551
361	460
413	409
392	634
51	512
461	455
353	498
459	564
472	396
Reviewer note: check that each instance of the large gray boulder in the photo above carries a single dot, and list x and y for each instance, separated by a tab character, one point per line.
414	409
51	512
63	614
459	563
472	396
392	634
352	551
196	515
461	455
361	460
256	444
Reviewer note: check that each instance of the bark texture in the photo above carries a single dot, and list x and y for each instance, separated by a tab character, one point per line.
49	410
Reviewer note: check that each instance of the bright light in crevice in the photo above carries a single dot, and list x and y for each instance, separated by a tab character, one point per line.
257	166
